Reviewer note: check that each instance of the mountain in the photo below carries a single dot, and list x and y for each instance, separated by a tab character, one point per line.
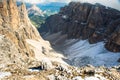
34	10
36	15
53	6
39	12
21	45
24	55
15	31
86	21
85	33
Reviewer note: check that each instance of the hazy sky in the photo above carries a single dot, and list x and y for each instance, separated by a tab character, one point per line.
111	3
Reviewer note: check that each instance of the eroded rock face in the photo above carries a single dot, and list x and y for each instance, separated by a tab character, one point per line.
113	32
8	51
86	21
16	27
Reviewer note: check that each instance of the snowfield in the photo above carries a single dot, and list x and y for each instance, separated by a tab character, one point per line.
82	53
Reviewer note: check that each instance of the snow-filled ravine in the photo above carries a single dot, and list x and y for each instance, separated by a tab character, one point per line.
82	53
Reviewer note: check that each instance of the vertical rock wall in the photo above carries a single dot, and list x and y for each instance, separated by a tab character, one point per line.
16	27
86	21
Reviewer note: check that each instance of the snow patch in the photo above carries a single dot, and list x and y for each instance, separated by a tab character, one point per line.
70	41
91	78
64	16
96	77
52	55
77	78
34	70
82	53
4	74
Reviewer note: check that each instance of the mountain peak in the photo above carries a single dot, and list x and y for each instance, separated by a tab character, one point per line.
34	10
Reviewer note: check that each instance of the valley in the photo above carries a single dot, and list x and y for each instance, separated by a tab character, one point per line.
80	42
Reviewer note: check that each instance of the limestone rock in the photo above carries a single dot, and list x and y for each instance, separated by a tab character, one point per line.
16	27
51	77
46	64
8	52
62	67
86	21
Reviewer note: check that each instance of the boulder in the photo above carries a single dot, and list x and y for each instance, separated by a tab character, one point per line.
46	64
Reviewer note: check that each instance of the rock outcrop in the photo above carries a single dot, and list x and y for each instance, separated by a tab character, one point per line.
16	27
86	21
8	51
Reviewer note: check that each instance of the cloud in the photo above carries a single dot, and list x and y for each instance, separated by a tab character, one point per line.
31	1
110	3
44	1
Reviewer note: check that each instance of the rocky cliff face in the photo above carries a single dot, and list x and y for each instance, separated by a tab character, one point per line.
86	21
16	28
20	41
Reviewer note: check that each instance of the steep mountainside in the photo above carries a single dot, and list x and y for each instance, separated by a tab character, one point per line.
86	21
15	26
21	46
24	55
19	39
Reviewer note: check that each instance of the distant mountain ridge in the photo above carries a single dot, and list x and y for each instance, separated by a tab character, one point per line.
36	15
34	10
39	12
51	6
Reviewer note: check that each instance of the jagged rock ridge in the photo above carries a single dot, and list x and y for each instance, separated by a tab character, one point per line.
86	21
16	27
20	42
